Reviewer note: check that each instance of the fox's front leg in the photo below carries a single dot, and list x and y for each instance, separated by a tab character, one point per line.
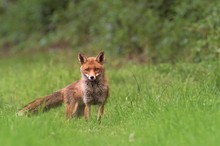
100	112
87	111
71	109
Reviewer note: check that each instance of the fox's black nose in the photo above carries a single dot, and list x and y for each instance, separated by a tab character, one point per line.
92	77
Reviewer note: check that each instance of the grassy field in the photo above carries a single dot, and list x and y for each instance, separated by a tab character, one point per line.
164	105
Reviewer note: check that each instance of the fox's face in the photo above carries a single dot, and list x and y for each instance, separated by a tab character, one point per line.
92	68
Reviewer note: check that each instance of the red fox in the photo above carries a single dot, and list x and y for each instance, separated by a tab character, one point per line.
91	89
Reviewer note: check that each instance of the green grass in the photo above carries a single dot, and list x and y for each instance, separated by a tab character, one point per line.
172	105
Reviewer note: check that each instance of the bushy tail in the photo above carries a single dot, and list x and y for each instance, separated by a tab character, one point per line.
42	104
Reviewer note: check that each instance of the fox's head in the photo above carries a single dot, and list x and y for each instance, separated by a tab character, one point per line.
92	68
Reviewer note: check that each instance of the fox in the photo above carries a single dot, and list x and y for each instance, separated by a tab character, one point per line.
91	89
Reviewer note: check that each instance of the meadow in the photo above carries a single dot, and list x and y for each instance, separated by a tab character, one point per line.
162	104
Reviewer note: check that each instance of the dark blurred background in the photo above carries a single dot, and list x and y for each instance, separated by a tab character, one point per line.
151	30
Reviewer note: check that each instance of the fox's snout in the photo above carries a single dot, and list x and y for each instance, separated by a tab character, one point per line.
92	78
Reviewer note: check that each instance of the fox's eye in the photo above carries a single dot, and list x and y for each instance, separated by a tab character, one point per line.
96	69
87	69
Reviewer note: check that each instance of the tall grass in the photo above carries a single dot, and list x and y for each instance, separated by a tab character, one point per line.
148	105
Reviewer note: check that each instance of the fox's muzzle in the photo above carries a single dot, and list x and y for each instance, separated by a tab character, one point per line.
92	78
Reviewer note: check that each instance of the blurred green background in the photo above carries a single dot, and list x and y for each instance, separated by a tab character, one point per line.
150	30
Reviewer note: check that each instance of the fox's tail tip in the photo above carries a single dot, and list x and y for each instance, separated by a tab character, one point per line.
21	113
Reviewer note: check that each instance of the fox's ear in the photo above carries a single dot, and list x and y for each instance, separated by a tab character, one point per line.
101	57
82	58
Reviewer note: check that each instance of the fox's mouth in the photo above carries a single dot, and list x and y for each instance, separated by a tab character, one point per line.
91	78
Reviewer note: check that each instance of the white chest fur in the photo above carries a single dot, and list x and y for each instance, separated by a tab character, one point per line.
94	92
